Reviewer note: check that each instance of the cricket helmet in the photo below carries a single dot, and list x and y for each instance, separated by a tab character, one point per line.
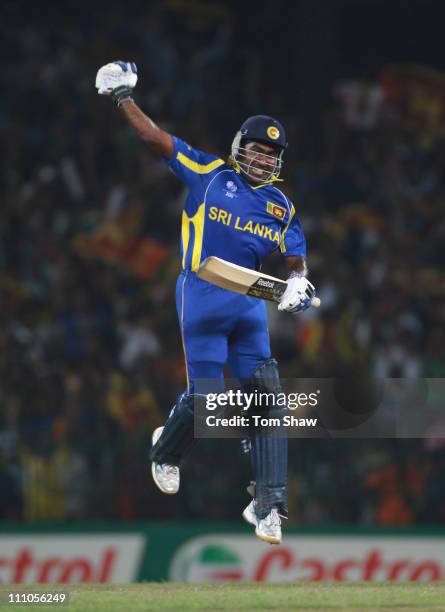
264	129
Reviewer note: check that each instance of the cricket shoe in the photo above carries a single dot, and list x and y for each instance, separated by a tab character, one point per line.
249	514
269	528
166	476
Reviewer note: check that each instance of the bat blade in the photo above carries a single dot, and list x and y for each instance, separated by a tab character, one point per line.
236	278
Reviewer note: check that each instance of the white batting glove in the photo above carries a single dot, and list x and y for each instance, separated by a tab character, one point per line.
298	295
116	74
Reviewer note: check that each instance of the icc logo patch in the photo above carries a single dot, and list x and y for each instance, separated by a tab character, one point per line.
273	132
231	189
275	210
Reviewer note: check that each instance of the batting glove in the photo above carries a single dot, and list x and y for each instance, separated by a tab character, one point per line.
117	79
298	295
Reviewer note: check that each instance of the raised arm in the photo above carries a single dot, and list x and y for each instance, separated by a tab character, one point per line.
117	80
158	140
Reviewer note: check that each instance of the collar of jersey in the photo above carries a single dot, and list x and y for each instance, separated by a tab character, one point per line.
231	162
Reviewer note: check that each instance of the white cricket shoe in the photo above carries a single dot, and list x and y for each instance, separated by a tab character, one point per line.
249	514
166	476
269	528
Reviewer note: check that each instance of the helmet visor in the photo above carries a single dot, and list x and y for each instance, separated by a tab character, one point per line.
258	161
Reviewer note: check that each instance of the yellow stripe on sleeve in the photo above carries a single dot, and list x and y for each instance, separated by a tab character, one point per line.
198	168
282	245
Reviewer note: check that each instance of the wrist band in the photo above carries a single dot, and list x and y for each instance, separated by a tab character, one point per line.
121	94
294	274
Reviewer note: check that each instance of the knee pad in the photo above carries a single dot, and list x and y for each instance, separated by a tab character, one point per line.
265	378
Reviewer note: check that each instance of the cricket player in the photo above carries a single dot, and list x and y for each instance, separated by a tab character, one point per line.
234	211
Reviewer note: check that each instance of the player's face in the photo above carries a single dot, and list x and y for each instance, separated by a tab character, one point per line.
261	159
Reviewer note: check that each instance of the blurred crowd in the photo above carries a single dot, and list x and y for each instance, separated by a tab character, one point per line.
91	358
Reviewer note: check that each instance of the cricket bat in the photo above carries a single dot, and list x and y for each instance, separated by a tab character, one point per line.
243	280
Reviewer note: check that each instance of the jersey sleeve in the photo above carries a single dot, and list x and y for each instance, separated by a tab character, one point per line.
293	242
191	165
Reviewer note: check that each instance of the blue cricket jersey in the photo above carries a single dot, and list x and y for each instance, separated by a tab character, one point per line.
227	217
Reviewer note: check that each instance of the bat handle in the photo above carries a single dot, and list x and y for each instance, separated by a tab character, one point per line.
316	302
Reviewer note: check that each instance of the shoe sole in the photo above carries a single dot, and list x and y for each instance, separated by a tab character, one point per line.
154	438
266	538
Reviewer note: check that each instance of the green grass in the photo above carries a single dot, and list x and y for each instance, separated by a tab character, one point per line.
245	596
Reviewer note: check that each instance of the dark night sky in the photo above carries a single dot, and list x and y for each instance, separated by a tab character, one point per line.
371	33
358	37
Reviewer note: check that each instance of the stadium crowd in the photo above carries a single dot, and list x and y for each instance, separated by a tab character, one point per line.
90	355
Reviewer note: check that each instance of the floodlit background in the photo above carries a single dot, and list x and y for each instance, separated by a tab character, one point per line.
91	358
